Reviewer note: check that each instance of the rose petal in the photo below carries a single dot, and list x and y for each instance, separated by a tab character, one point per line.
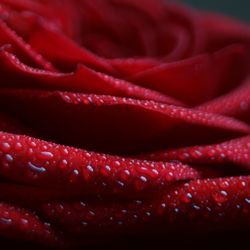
82	80
20	224
8	36
64	52
235	103
29	160
197	205
87	118
235	151
222	31
201	78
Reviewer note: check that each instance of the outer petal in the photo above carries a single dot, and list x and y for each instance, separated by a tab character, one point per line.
235	103
198	205
29	160
24	50
84	79
235	151
90	121
222	30
200	78
20	224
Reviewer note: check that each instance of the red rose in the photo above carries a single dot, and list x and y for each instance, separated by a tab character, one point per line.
121	116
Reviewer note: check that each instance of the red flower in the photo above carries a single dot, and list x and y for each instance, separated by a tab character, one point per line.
121	116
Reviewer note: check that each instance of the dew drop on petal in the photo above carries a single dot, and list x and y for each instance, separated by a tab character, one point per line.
120	184
5	221
143	178
18	146
106	170
90	168
224	184
164	205
35	168
243	184
76	172
220	197
5	146
247	200
46	155
84	223
125	175
195	207
24	221
63	164
65	151
186	197
9	158
176	210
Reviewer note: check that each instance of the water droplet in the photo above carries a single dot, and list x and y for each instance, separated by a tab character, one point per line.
247	200
124	175
224	184
143	179
63	164
82	204
176	210
8	158
5	221
169	176
84	223
186	197
220	196
164	205
135	216
127	172
243	184
91	214
30	151
47	224
138	202
198	153
65	151
195	207
76	172
141	183
67	98
24	221
18	146
33	144
90	168
5	146
106	170
155	172
208	209
36	168
117	163
46	155
238	206
222	155
224	193
120	183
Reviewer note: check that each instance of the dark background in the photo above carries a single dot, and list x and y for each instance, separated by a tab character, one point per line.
236	8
